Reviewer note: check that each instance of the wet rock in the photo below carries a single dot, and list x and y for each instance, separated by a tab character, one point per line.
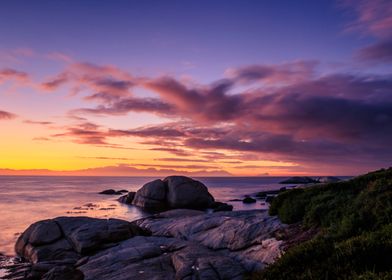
110	192
128	198
248	199
123	191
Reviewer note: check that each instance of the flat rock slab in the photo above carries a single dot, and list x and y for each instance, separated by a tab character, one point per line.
248	236
160	258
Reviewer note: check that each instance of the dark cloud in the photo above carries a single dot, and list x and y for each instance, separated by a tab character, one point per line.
181	160
281	74
288	113
379	52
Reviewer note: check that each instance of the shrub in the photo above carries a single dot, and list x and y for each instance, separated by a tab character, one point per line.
356	218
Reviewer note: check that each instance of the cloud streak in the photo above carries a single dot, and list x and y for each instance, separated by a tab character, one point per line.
4	115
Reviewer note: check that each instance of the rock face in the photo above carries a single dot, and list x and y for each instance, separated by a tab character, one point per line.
184	244
299	180
173	192
235	232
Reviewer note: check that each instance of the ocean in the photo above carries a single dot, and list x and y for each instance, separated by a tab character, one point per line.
27	199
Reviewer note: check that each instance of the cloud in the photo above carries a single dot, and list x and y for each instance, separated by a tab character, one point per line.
7	74
379	52
106	83
59	56
126	105
278	75
283	112
181	160
371	17
38	122
4	115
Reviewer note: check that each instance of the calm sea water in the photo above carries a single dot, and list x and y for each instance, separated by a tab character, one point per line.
27	199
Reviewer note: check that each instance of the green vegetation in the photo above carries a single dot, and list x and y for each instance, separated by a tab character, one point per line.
355	218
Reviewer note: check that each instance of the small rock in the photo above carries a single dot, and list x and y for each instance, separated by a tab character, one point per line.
220	206
249	199
128	198
110	192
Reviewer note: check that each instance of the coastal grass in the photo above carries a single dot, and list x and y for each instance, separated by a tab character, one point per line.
355	240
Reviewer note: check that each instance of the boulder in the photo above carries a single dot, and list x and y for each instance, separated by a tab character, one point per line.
299	180
68	238
152	196
184	192
172	193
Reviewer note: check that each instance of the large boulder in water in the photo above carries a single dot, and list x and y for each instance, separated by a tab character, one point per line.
151	196
184	192
172	193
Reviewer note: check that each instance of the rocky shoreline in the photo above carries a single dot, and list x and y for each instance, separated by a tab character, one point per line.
180	241
177	244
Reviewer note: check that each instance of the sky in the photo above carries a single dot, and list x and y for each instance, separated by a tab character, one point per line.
200	88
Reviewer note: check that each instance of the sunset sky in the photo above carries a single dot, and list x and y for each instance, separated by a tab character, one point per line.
203	88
